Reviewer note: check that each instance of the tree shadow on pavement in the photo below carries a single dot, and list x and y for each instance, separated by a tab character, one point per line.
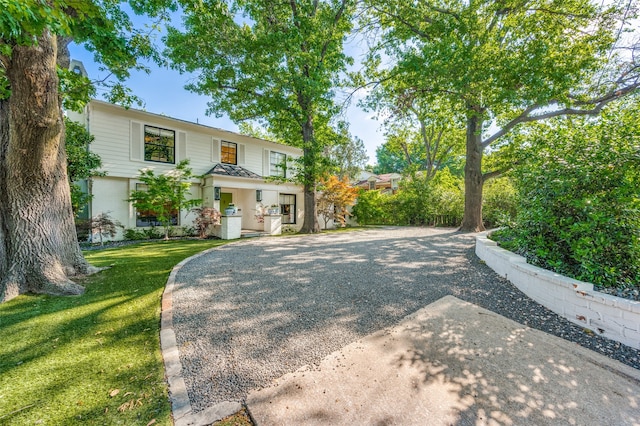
248	313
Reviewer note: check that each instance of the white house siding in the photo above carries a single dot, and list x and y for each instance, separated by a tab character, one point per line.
109	195
112	127
199	151
111	124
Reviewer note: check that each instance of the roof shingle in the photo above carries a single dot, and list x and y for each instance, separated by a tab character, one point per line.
233	170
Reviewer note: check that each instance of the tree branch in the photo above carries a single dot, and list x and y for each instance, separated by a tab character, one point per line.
555	12
237	89
492	175
413	28
598	105
294	13
510	125
443	11
336	19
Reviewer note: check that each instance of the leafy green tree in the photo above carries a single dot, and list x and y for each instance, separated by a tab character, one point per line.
347	154
39	251
81	163
165	194
256	131
272	62
426	133
390	159
501	64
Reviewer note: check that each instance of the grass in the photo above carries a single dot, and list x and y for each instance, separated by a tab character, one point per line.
95	358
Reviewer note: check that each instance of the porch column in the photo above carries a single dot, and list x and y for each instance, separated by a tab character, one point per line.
231	227
273	224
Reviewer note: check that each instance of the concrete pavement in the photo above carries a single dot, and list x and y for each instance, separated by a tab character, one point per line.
453	362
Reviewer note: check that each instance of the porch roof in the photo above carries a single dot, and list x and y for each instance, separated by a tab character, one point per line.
232	170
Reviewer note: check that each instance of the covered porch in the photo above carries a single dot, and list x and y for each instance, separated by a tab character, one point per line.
255	199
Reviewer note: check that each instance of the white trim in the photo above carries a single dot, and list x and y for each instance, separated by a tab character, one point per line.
240	154
266	162
215	150
181	147
136	141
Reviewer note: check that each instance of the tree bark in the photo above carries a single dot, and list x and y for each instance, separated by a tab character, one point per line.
310	223
38	245
473	181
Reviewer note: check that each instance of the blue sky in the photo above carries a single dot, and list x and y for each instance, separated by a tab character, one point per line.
163	92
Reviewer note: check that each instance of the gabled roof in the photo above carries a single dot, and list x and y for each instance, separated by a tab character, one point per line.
379	179
388	176
232	170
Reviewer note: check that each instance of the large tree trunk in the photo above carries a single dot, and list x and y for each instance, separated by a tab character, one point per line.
38	245
310	223
472	219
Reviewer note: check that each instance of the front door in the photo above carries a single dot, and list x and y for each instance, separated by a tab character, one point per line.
226	198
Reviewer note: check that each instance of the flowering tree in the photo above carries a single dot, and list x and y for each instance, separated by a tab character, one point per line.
336	195
206	216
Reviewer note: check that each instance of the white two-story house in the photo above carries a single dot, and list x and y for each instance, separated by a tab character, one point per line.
233	168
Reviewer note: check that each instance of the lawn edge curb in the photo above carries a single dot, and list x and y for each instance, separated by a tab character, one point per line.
178	396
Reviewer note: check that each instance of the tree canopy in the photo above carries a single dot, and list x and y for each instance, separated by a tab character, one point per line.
39	251
500	64
274	63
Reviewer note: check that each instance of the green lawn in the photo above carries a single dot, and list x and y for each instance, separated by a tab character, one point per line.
95	358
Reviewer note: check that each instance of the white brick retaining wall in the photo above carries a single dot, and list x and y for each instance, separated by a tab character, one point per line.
610	316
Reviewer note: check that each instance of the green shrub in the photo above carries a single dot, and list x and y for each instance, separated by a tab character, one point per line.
431	202
419	201
154	233
370	208
499	203
579	205
448	199
189	231
413	202
133	234
288	230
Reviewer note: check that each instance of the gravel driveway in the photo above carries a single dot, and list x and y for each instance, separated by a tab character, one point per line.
252	311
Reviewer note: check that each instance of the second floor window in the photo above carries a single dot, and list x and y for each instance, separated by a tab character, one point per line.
159	144
228	152
278	164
